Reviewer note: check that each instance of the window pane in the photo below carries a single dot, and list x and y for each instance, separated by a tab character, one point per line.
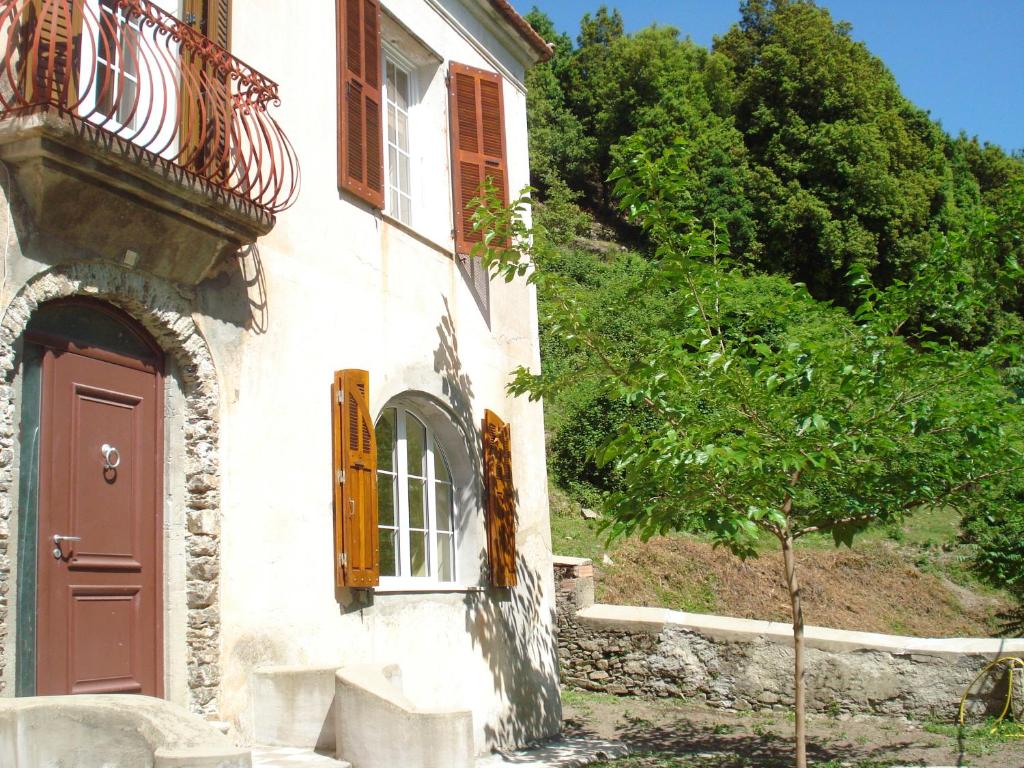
105	84
445	562
393	172
388	552
130	50
402	131
386	441
405	209
403	173
129	93
392	125
401	89
386	499
441	473
416	441
417	504
418	552
390	70
443	508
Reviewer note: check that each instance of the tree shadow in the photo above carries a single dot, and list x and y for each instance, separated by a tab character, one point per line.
512	628
767	749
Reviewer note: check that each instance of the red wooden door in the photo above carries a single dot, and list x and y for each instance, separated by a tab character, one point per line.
99	626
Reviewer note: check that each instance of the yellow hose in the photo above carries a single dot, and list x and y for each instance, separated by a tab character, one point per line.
1013	664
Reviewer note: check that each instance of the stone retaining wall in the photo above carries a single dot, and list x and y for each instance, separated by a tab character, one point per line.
747	665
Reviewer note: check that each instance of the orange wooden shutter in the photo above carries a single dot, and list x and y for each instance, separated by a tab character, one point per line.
501	501
476	109
53	58
356	543
218	22
360	135
206	122
212	18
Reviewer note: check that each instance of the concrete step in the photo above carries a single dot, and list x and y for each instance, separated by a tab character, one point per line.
293	757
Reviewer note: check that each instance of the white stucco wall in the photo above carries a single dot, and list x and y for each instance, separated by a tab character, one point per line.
334	286
345	288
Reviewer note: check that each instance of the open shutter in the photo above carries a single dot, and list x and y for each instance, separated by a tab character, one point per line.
360	135
218	22
206	121
52	51
501	501
356	543
212	18
476	110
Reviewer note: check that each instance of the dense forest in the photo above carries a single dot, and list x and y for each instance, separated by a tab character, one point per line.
803	158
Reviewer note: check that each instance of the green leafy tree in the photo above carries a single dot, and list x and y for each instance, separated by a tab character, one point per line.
560	149
772	414
846	171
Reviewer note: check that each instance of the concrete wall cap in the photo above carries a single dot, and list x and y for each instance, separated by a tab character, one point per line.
637	619
570	561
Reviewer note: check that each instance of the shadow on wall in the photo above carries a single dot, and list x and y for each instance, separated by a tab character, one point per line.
458	389
235	292
513	628
250	266
514	631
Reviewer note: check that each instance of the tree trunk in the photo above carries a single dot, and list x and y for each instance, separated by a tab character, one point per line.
799	688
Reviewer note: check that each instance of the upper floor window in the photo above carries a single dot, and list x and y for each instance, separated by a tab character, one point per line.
415	499
398	98
117	64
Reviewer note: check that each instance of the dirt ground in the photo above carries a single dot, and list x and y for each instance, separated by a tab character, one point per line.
874	589
674	734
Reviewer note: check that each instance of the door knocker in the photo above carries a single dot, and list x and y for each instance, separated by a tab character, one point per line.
111	457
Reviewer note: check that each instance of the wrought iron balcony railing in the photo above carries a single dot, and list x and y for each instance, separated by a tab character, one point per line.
131	70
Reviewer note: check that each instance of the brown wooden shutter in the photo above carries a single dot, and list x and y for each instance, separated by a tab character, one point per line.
356	541
501	501
206	122
52	51
218	22
360	132
476	110
212	18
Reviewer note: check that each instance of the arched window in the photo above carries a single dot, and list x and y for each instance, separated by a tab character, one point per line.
416	499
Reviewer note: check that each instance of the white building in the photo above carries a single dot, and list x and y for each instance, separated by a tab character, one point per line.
191	385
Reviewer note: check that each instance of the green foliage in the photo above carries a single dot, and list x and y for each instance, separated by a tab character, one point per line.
995	525
799	147
770	410
846	170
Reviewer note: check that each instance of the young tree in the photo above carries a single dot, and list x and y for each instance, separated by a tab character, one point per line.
772	413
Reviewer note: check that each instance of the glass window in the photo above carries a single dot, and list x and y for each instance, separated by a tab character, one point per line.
416	500
397	162
117	64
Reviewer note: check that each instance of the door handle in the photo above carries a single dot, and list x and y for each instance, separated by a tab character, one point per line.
58	553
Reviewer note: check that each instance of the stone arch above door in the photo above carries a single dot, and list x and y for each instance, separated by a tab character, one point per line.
161	309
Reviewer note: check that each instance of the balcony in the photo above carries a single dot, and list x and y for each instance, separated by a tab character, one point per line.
133	137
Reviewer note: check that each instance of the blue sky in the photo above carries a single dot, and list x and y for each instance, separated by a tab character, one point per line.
963	60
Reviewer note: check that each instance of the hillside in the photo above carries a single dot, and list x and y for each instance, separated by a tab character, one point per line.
910	582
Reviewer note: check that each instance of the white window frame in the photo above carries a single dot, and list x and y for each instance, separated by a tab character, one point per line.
390	55
116	21
400	476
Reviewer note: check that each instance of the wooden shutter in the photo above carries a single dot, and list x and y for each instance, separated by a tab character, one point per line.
52	52
206	121
476	110
501	501
212	18
356	542
360	133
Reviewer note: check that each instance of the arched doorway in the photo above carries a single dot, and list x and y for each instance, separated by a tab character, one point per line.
90	617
